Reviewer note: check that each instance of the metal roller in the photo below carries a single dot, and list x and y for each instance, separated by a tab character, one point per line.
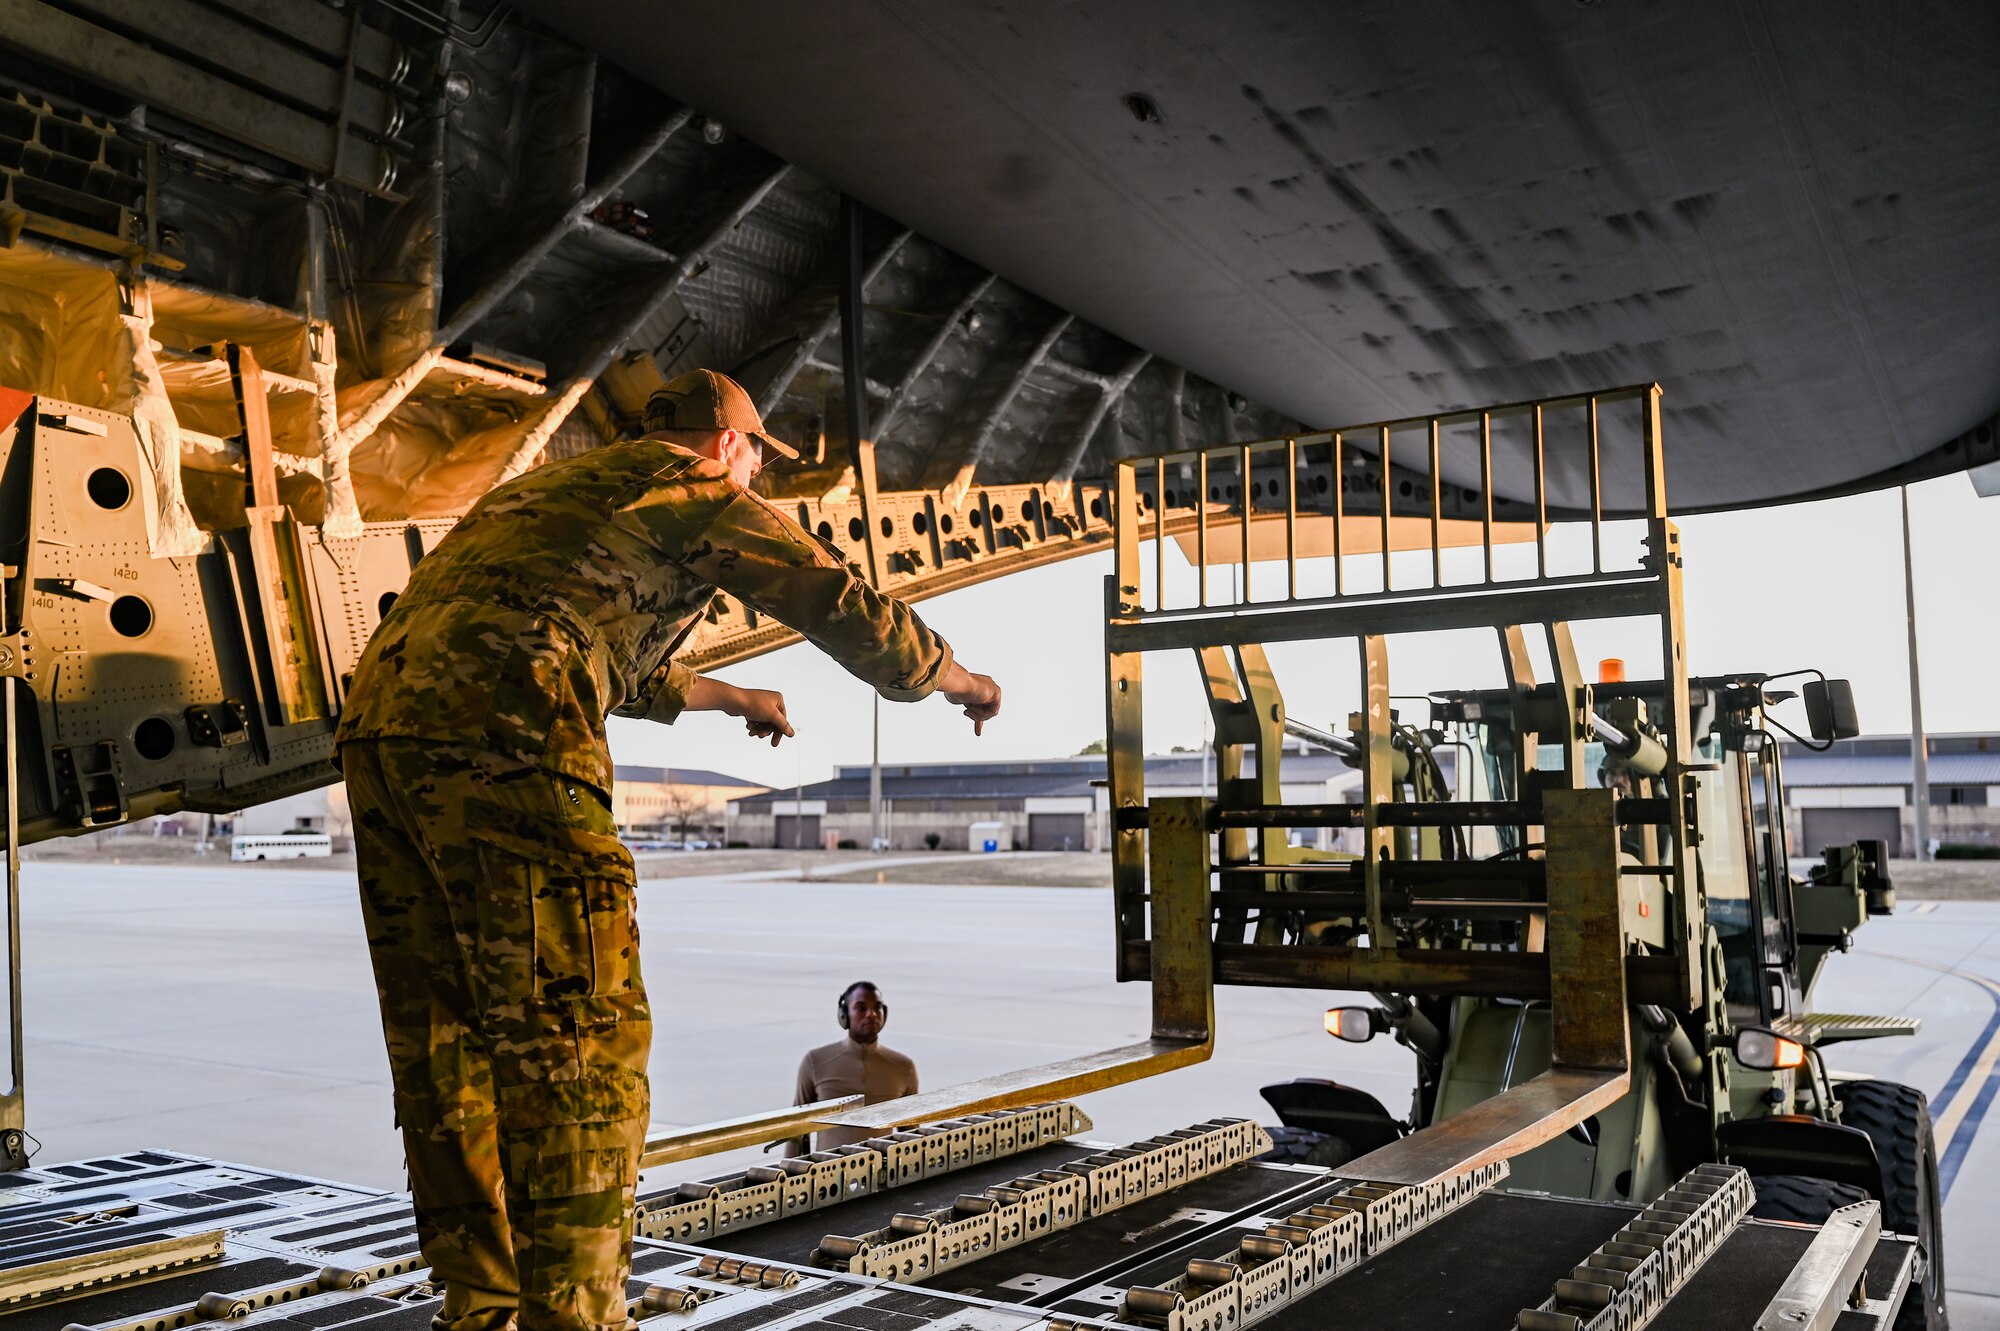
778	1278
841	1248
905	1225
215	1306
1534	1319
764	1174
1336	1207
966	1204
1203	1271
800	1164
710	1264
1584	1294
667	1299
1292	1233
750	1273
1593	1274
1006	1195
340	1277
1264	1247
1605	1265
1148	1301
694	1192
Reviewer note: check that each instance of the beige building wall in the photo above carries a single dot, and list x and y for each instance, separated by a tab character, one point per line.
635	805
662	806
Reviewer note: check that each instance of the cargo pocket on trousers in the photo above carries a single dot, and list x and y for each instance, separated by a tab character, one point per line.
578	1135
614	1034
577	1173
581	911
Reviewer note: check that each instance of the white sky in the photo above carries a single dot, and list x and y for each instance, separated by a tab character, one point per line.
1773	589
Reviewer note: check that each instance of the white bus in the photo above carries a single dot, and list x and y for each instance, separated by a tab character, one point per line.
287	846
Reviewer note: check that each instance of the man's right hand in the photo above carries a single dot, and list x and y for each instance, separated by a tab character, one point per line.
977	694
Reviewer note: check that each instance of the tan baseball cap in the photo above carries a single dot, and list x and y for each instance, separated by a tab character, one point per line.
705	400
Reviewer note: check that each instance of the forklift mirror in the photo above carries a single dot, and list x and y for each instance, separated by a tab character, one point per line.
1830	709
1356	1025
1765	1050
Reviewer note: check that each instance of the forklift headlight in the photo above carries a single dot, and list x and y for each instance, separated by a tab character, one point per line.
1356	1025
1767	1051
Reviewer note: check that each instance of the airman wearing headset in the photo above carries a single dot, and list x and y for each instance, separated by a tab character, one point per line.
860	1064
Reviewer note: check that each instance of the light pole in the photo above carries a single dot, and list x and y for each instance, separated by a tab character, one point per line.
875	784
1920	787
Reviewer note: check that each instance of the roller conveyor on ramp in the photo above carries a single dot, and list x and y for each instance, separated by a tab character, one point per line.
989	1223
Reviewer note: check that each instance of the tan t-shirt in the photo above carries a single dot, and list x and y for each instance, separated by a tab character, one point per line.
848	1067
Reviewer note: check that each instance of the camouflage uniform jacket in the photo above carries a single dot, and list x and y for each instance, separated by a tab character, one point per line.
561	594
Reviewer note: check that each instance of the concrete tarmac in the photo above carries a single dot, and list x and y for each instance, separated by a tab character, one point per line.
228	1011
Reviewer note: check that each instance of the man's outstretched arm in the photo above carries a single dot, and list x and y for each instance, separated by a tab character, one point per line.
762	709
674	689
769	562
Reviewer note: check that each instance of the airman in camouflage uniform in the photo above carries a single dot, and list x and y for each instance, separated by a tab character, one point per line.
497	897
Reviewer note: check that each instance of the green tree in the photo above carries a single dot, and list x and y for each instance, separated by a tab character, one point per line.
1095	746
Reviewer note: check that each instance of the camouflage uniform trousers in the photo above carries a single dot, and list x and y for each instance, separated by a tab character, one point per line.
500	916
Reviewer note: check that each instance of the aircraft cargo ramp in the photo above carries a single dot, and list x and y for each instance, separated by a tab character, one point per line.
990	1223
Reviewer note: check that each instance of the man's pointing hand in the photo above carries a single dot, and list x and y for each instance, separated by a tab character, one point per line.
977	694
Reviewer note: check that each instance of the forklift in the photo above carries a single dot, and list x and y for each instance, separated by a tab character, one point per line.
1742	1080
1473	897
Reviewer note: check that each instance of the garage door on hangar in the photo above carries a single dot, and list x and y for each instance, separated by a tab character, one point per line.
1838	827
790	834
1056	831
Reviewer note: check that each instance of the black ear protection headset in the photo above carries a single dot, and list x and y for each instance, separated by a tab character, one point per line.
840	1004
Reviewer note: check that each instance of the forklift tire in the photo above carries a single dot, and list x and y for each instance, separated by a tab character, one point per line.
1897	1119
1301	1146
1800	1198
